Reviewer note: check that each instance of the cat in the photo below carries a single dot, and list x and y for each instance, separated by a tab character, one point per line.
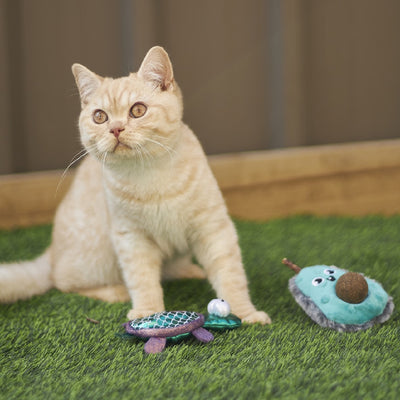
142	203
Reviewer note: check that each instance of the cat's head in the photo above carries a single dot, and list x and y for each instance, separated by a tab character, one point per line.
134	117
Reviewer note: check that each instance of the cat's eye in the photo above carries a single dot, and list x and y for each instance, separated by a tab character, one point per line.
138	110
100	116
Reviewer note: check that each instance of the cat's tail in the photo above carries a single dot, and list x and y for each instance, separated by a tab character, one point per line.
25	279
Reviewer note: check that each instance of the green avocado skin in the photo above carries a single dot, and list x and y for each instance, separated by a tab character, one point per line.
318	282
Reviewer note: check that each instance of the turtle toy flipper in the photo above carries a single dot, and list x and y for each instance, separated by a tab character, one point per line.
155	345
203	335
160	326
338	299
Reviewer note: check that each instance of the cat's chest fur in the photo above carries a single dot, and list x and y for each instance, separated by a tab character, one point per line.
159	200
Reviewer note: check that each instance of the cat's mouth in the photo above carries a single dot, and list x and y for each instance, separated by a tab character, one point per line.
119	145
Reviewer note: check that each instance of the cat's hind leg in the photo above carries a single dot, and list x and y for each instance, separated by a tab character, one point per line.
112	293
182	268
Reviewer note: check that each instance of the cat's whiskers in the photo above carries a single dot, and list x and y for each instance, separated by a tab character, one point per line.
104	159
138	151
160	138
98	146
146	152
168	149
78	156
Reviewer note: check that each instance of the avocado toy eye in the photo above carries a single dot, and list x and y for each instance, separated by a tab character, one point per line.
317	281
329	271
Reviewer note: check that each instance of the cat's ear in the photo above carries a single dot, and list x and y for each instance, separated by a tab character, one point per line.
157	68
86	81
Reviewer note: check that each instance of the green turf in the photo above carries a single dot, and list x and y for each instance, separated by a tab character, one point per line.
50	351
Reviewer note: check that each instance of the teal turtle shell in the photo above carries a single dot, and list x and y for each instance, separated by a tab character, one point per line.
163	320
170	324
318	284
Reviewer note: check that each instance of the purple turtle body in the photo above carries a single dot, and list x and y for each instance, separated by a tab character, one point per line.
160	326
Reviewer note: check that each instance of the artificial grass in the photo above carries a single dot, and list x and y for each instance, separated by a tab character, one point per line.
49	350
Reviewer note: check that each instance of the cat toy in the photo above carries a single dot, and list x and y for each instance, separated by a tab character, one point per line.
158	327
338	299
176	325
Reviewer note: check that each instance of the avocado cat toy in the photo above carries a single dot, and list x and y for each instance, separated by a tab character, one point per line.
337	299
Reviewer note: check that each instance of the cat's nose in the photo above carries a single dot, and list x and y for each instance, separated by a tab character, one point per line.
116	131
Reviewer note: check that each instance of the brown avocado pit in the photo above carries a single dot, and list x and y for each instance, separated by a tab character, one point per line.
352	288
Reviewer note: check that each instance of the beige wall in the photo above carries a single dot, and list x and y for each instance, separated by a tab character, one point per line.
352	70
5	130
255	75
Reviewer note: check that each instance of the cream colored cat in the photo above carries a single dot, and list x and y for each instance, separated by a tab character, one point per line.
142	203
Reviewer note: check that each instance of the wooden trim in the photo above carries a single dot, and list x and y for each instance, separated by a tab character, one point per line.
349	179
32	198
265	167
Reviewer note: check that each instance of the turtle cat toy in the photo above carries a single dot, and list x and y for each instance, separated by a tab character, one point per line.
338	299
160	326
176	325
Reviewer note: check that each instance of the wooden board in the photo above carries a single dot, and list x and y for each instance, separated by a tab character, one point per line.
31	199
350	179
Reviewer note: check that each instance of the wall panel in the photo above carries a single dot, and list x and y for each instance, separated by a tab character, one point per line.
255	75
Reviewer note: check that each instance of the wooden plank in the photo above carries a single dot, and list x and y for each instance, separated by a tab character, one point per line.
254	168
350	179
31	199
357	193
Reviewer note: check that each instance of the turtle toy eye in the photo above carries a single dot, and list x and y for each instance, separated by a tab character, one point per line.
219	307
317	281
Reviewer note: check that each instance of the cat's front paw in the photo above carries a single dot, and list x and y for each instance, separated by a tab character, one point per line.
257	317
138	313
